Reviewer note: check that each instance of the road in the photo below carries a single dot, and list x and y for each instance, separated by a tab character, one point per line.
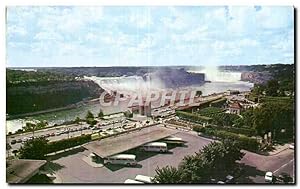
282	162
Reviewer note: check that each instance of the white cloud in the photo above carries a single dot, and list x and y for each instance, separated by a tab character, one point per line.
16	30
141	20
48	36
138	35
147	42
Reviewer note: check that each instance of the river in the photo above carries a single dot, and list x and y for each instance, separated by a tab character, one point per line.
216	85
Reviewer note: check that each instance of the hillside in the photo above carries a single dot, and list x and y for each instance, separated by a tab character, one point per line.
34	91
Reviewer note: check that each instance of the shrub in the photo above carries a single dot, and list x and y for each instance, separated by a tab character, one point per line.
224	119
245	142
67	143
91	121
193	117
244	131
209	111
218	103
198	128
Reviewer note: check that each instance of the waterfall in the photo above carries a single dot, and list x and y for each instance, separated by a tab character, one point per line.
126	83
215	75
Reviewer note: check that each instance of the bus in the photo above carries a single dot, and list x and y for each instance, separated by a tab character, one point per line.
122	159
144	179
155	147
173	140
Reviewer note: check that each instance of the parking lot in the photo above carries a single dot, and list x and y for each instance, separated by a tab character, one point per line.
68	131
72	169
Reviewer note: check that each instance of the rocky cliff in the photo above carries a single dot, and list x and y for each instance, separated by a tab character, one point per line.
173	78
39	96
256	77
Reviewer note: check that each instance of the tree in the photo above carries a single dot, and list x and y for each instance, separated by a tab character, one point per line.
41	124
15	152
91	121
273	117
167	175
214	161
272	88
77	120
34	149
258	89
100	114
198	93
128	114
30	127
89	115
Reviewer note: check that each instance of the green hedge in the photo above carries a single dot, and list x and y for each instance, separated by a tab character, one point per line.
198	128
193	117
218	103
246	143
209	111
67	143
244	131
224	119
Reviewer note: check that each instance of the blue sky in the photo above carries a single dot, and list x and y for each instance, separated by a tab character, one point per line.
136	36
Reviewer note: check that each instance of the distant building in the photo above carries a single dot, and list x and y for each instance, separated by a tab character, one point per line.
242	101
145	110
232	92
235	108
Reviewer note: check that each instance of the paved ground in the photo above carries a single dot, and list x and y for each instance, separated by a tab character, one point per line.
64	136
114	145
72	169
260	164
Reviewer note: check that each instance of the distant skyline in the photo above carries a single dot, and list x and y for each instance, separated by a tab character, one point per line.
149	36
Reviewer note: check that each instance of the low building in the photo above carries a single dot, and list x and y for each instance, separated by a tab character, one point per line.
232	92
21	170
235	108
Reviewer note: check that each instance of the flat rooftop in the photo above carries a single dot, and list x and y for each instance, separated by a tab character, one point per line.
21	170
114	145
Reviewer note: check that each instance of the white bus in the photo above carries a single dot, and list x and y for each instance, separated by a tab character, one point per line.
123	159
174	140
144	179
155	147
130	181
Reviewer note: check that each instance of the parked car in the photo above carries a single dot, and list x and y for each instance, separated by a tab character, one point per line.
25	139
58	133
229	179
19	140
52	134
292	146
47	135
14	141
65	131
